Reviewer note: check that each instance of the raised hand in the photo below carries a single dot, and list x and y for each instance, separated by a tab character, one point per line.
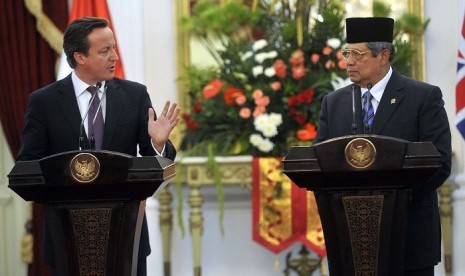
160	129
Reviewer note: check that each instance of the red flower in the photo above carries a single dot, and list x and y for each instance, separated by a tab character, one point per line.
212	89
306	133
231	94
291	101
306	96
300	118
192	125
197	108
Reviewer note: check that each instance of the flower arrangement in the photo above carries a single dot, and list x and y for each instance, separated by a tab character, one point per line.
265	94
276	61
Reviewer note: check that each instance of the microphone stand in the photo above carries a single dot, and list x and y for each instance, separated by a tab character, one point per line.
81	136
354	120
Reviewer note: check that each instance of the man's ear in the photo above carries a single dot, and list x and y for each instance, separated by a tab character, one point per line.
385	55
79	57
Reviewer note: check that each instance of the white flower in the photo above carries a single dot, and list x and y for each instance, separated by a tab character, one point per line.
264	145
269	131
255	139
257	70
333	43
268	124
272	54
259	44
270	72
245	56
276	119
340	83
260	122
260	57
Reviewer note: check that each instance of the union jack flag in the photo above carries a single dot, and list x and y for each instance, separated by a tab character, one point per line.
460	86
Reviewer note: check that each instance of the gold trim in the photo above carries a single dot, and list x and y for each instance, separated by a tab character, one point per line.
45	26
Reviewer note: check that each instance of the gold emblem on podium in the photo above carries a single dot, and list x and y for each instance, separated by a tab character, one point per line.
84	167
360	153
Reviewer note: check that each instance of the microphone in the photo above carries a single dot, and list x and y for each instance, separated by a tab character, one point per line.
354	120
366	127
92	139
81	135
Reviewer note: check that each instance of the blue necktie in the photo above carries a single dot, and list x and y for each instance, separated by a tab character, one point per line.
95	120
367	111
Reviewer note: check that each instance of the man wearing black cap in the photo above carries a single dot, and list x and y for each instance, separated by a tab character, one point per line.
390	104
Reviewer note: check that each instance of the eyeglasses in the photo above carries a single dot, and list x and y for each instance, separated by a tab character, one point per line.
356	54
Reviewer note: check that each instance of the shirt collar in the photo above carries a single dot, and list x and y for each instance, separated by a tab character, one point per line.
80	86
378	89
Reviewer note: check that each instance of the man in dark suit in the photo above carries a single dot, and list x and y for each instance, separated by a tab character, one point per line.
399	107
58	117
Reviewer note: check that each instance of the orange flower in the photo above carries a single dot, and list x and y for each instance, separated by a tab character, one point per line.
315	58
342	64
280	68
297	58
298	72
241	99
245	113
257	94
329	64
259	110
306	133
327	51
231	94
276	85
212	89
263	101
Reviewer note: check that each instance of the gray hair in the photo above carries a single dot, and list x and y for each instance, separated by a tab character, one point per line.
377	47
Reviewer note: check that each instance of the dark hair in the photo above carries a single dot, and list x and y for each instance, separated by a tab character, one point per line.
76	36
376	47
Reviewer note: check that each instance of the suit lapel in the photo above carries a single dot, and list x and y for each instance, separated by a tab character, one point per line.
68	104
113	112
391	99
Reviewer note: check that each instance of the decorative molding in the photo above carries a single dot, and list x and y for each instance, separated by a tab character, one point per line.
235	170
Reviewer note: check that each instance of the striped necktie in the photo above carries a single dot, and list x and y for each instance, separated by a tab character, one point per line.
368	112
95	121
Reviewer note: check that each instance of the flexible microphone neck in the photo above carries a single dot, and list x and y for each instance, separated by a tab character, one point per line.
366	126
354	120
82	140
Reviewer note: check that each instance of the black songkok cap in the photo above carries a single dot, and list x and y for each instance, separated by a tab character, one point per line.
369	29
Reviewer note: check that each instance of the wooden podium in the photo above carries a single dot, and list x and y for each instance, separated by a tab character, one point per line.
363	186
95	203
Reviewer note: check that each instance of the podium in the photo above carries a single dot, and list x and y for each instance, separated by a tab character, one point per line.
363	186
95	203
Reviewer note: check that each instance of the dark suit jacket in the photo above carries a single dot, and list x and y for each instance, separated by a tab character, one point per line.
413	111
53	123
